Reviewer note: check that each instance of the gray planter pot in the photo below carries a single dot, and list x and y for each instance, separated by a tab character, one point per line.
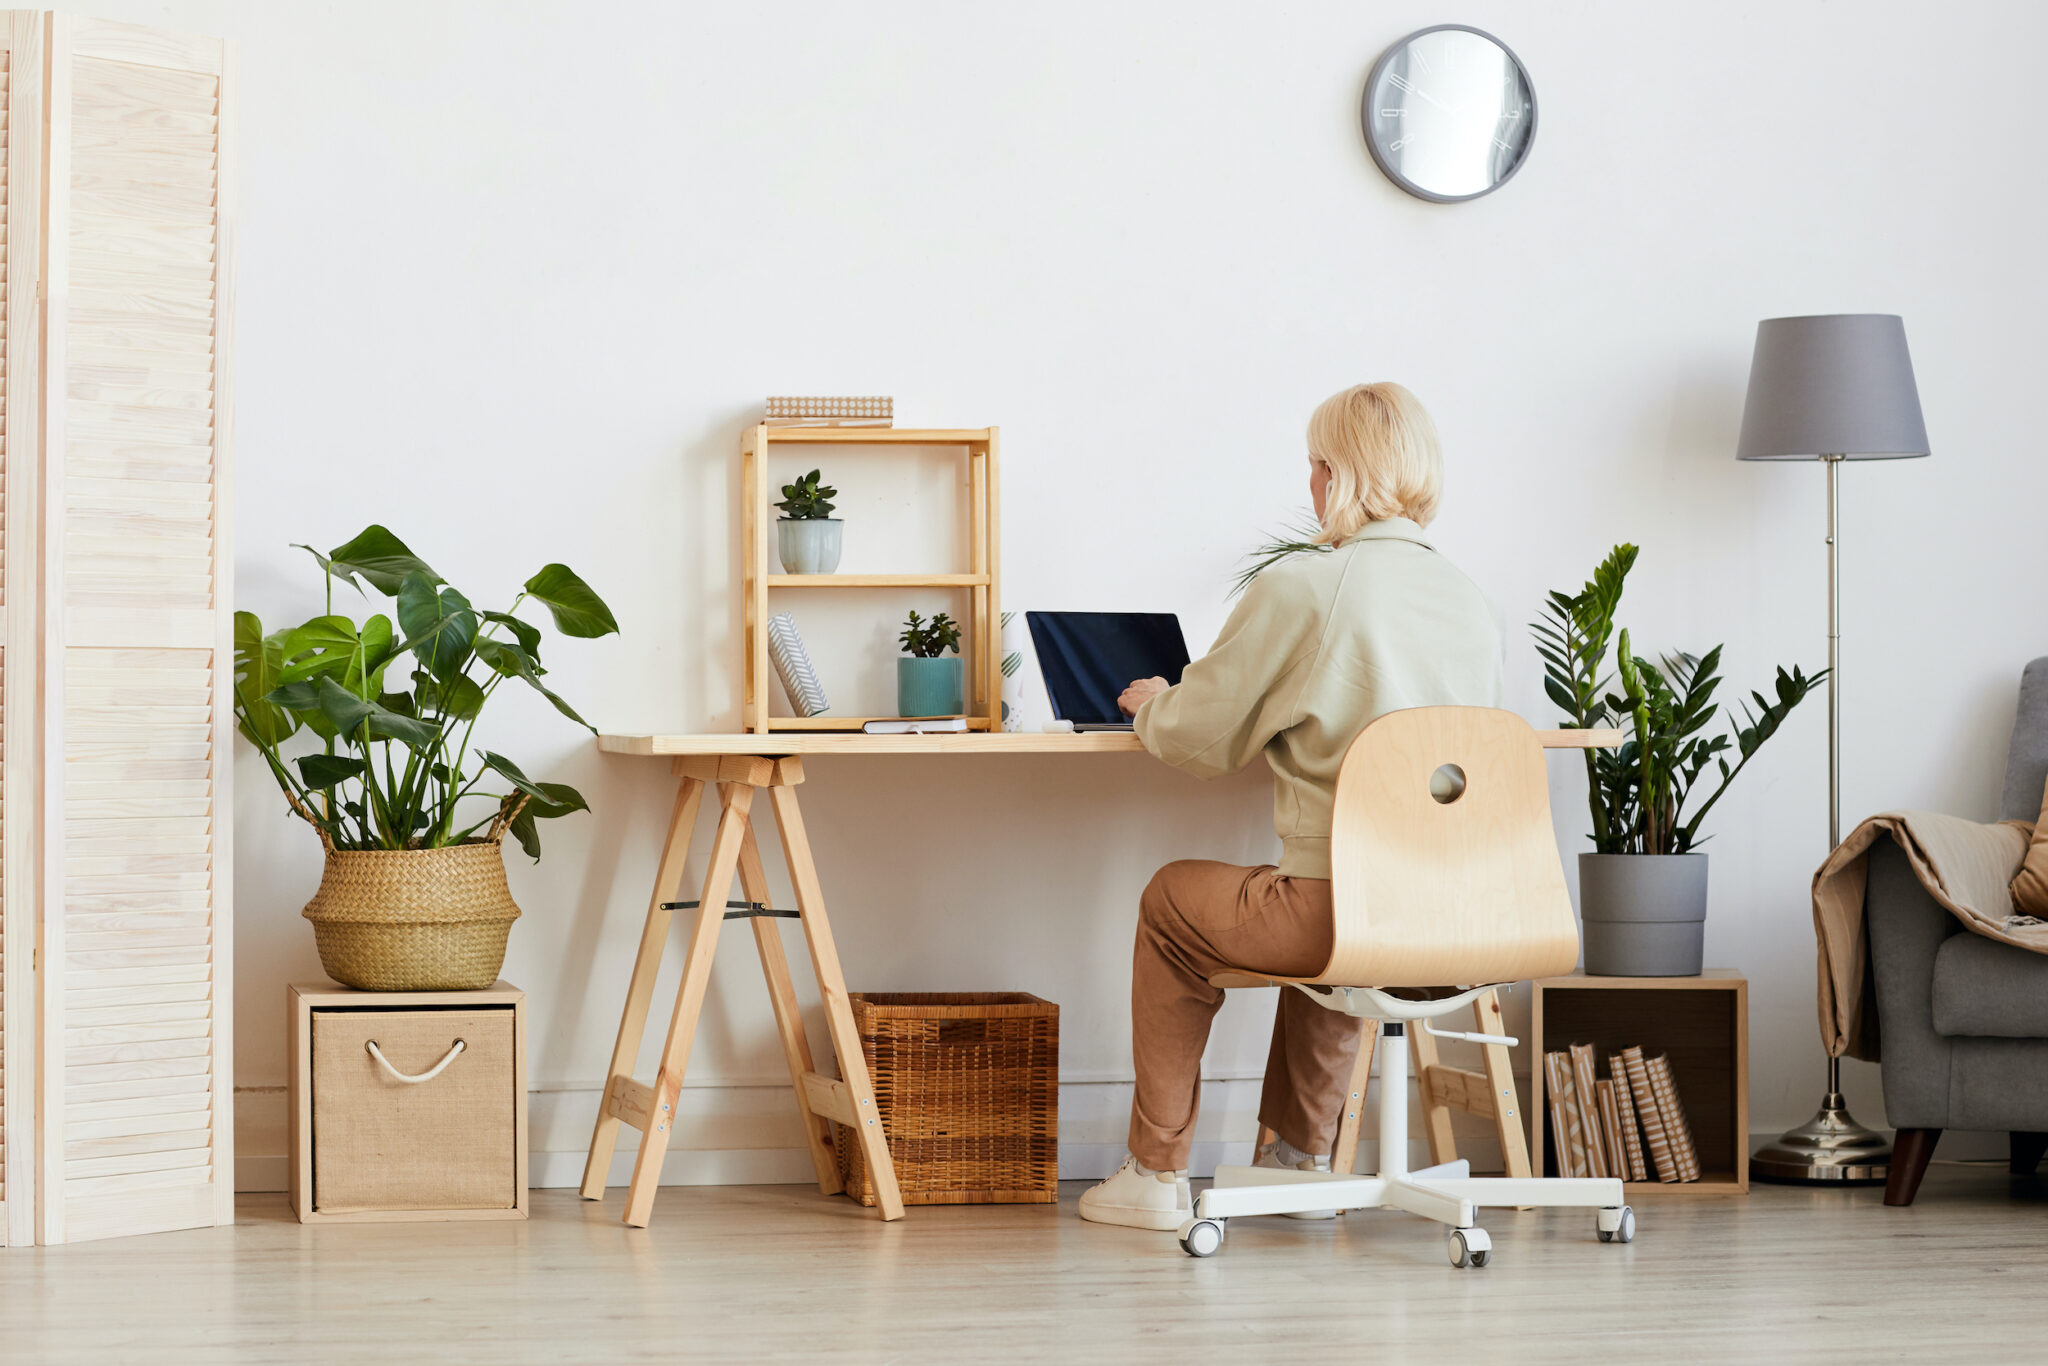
809	545
1645	915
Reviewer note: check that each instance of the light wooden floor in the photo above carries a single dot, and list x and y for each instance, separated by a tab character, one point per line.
778	1272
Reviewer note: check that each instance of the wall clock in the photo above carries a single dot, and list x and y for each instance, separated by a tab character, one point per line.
1449	113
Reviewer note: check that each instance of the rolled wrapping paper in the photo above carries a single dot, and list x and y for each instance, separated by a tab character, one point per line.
1662	1157
793	666
1624	1103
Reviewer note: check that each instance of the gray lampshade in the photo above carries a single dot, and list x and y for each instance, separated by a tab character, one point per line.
1835	384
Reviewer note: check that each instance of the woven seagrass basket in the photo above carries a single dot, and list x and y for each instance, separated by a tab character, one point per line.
968	1084
413	919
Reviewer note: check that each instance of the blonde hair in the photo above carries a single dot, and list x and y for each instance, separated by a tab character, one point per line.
1381	447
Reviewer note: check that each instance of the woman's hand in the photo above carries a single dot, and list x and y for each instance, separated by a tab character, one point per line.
1139	693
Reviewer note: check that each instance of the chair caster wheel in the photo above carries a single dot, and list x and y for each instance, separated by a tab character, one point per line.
1618	1225
1201	1237
1469	1247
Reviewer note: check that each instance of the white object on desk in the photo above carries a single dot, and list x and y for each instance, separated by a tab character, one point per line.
1057	727
944	725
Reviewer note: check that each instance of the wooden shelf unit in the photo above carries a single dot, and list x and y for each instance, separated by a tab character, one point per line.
983	631
1701	1022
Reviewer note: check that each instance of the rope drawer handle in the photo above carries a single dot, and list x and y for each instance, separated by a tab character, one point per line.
436	1070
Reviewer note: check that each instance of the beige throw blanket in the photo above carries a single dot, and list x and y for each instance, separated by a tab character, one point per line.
1966	866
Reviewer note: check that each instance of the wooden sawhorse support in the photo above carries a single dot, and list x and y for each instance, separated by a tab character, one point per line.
1490	1094
820	1099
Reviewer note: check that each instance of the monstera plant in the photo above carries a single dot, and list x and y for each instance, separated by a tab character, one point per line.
394	701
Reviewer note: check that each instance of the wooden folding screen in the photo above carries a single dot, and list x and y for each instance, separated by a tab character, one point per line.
117	667
21	73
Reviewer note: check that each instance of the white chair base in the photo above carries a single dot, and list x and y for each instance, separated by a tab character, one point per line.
1448	1194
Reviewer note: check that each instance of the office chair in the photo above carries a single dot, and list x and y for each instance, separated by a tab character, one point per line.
1444	870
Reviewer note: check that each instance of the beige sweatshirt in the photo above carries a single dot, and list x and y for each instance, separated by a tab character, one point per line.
1319	645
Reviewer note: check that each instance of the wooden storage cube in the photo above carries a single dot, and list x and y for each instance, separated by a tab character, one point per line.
369	1144
968	1084
1701	1023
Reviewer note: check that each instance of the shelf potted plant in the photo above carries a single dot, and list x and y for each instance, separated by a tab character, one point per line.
413	895
927	683
807	535
1643	891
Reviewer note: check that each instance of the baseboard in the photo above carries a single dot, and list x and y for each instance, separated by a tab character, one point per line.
745	1132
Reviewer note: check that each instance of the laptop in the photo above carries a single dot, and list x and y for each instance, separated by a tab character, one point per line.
1089	658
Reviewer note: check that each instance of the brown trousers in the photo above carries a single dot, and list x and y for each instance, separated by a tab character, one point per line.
1199	918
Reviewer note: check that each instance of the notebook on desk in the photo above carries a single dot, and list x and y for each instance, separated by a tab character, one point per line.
1089	658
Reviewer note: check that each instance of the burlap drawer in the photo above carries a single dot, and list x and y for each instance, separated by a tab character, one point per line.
379	1143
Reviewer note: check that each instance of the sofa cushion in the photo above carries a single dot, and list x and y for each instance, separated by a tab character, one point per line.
2026	763
1985	988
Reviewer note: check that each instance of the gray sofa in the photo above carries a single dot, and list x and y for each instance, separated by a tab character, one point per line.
1962	1020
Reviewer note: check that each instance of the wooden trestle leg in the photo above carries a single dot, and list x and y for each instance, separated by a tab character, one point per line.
734	852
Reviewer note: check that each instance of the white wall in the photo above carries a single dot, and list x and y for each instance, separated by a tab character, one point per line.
515	275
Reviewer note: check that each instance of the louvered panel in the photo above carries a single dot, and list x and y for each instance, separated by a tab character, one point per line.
18	251
138	523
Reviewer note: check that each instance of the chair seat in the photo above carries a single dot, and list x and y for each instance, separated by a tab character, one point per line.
1986	989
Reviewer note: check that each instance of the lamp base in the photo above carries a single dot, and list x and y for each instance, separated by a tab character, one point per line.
1830	1148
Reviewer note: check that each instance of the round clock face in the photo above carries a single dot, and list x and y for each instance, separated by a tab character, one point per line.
1449	113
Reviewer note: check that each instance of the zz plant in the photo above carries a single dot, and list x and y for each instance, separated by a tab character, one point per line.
1639	794
395	703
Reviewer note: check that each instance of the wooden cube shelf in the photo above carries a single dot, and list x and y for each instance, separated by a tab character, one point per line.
417	1129
1701	1023
982	579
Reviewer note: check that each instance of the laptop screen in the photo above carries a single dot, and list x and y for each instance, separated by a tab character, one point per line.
1089	658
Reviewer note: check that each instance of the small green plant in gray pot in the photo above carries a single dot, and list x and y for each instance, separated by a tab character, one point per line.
927	683
807	535
1643	892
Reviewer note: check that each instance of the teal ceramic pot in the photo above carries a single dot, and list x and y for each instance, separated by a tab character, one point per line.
930	687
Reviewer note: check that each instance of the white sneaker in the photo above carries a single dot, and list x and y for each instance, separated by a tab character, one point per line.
1130	1198
1269	1156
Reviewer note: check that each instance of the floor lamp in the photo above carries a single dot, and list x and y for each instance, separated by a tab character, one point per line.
1831	388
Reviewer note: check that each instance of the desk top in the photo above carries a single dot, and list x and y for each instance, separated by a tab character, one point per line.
969	742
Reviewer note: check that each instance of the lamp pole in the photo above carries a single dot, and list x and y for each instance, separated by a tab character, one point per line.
1831	1146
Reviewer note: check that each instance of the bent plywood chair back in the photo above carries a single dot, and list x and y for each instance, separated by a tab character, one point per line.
1446	876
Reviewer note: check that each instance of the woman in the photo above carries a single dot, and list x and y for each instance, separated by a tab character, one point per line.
1319	646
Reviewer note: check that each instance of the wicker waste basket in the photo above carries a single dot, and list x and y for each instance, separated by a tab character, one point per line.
968	1084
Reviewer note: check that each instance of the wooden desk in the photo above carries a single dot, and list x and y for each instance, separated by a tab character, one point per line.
740	766
970	742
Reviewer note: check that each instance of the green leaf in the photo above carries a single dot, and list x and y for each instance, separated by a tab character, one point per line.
319	636
511	662
576	608
381	558
323	645
526	832
1298	538
258	662
527	634
562	799
439	625
461	698
376	648
302	700
348	713
322	771
509	771
524	828
328	567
